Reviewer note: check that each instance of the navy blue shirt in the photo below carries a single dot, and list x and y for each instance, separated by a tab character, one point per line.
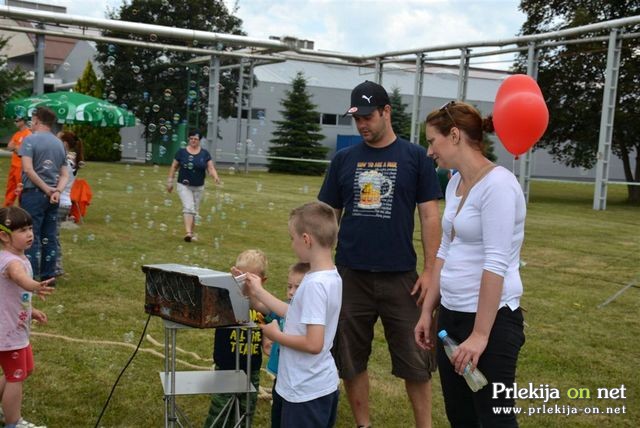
227	339
193	168
378	190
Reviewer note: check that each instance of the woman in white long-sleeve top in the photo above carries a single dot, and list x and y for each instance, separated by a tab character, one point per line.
477	285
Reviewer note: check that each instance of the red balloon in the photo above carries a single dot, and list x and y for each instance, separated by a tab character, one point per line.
520	115
518	83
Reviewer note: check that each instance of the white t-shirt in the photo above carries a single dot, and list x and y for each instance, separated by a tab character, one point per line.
489	234
302	376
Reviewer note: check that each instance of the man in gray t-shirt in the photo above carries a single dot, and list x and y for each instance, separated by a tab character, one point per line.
44	175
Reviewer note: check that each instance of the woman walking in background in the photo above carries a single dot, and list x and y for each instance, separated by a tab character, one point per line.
192	164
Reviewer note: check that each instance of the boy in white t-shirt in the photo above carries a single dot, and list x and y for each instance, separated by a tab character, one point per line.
307	375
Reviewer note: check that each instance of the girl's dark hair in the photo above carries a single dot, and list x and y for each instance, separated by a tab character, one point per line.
14	218
195	132
75	145
463	116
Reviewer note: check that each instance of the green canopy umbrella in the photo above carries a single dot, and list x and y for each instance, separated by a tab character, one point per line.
73	108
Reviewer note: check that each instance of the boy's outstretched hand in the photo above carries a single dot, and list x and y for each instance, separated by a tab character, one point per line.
252	284
270	330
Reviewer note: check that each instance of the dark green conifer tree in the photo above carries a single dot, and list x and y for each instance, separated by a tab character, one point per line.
298	135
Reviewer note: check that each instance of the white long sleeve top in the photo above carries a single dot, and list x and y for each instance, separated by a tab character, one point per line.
489	234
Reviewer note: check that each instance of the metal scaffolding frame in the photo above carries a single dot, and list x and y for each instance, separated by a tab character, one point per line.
255	50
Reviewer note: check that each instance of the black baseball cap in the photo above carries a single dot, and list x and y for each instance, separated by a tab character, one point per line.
19	117
366	98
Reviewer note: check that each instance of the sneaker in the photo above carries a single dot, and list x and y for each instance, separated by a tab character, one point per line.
187	237
24	424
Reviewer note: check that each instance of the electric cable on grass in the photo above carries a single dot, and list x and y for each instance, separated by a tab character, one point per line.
135	351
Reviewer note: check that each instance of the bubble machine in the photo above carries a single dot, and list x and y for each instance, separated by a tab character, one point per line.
193	296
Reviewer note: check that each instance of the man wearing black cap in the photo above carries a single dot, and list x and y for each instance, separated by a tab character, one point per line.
375	187
14	181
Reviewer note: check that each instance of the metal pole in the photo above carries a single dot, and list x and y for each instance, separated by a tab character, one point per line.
38	81
249	107
606	120
239	103
463	73
378	71
417	96
212	110
526	160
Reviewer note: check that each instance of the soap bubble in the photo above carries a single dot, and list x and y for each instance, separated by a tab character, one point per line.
128	337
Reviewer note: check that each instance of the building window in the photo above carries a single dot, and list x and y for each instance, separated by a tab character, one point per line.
256	113
344	120
329	119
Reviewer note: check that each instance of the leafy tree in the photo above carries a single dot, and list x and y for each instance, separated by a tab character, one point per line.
400	119
100	144
158	85
298	134
572	79
13	84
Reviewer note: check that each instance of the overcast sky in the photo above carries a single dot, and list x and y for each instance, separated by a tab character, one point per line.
364	27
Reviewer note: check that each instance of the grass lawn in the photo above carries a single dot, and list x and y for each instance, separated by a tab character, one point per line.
575	259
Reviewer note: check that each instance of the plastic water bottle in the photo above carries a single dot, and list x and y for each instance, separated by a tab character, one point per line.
475	379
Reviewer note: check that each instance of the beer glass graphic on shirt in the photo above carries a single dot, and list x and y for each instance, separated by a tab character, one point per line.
371	184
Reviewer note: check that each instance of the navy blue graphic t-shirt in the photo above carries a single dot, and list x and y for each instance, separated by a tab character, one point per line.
378	190
227	339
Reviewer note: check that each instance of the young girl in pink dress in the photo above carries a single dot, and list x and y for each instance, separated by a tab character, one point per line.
16	288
